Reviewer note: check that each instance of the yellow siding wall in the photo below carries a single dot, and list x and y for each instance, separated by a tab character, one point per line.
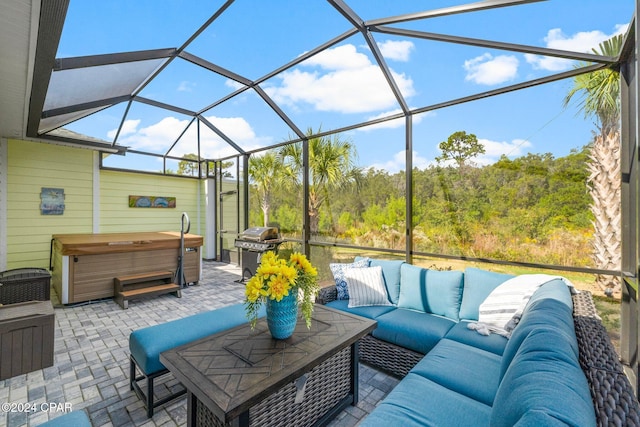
117	217
33	165
30	167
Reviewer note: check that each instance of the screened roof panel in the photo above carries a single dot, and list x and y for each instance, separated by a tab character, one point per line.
67	133
49	123
513	128
186	85
337	87
452	71
376	9
187	143
124	25
279	31
543	24
212	145
313	60
82	85
380	146
151	129
100	123
249	121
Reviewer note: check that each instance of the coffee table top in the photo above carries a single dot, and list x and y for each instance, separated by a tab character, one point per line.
233	370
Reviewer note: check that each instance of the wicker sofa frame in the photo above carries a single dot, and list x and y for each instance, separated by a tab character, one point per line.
613	398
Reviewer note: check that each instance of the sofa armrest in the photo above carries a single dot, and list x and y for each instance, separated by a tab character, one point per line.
612	393
327	294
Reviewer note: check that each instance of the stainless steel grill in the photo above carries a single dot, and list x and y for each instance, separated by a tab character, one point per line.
254	246
254	242
260	234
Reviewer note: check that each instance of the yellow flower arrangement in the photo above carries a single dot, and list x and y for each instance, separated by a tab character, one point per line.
275	278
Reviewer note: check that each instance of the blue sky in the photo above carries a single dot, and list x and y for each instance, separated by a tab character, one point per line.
343	85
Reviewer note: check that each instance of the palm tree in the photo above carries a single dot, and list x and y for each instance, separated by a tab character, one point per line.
266	171
600	91
331	167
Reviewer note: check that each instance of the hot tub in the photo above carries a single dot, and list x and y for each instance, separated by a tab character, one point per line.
85	265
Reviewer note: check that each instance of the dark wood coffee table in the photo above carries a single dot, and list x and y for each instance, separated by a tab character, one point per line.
244	377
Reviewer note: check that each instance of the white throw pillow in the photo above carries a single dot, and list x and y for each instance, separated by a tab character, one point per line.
338	275
366	286
501	311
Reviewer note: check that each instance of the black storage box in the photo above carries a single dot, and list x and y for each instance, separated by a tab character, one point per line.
25	284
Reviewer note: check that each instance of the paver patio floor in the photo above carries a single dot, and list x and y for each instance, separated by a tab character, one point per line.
91	359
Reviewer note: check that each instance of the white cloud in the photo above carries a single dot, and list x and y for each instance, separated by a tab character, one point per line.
347	82
159	136
129	126
233	84
339	58
186	86
398	162
237	129
583	41
620	29
495	149
396	50
395	123
547	62
389	124
489	70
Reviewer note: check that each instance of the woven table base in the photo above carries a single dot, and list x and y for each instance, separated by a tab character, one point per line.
327	385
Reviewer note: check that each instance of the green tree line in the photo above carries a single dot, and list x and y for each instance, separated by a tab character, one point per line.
532	208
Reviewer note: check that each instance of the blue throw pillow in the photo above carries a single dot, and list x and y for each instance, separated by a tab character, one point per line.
478	284
338	275
390	274
430	291
413	288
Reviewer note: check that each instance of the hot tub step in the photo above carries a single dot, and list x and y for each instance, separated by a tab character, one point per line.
143	284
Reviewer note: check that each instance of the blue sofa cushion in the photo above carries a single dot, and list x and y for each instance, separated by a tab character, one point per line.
493	343
538	419
390	274
71	419
145	344
555	289
338	275
478	284
542	313
412	329
430	291
464	369
419	402
544	376
370	312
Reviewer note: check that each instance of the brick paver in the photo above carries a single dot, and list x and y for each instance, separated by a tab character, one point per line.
91	360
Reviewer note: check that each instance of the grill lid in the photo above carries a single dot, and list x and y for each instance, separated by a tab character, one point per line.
258	234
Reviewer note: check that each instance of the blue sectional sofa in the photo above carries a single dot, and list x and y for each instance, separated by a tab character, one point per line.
454	376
